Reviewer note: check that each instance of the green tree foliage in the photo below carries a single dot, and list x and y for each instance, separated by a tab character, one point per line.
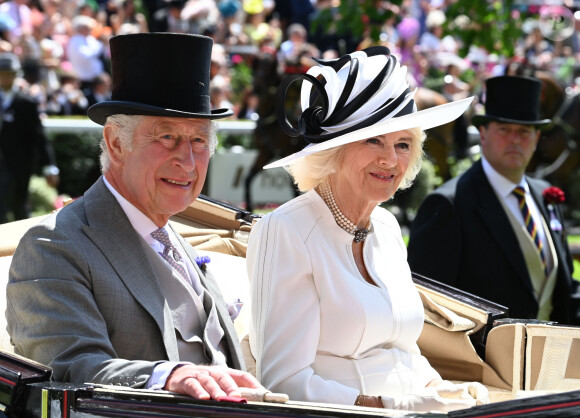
356	18
77	155
493	25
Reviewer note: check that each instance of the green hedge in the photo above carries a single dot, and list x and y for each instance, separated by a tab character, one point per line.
77	155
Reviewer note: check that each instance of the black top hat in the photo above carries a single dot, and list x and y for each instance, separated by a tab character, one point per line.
159	74
512	99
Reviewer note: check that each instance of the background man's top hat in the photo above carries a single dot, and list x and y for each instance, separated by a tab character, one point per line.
512	99
159	74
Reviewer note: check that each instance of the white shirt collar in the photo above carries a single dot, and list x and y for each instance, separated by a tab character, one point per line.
145	226
142	224
502	186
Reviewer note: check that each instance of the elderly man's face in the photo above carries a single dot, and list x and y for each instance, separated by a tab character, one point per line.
166	169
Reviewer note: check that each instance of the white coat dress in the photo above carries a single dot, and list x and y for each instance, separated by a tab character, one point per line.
319	331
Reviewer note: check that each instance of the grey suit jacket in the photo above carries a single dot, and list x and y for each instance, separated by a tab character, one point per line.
83	297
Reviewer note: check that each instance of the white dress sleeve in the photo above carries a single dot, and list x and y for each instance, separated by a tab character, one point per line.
285	327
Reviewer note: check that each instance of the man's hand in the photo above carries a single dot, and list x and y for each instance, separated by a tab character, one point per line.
209	382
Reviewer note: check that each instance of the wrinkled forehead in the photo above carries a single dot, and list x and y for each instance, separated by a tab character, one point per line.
189	126
405	134
412	135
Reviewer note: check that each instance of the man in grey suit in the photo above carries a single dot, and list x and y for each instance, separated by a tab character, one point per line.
104	290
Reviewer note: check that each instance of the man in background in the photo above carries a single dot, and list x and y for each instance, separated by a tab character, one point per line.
494	231
24	149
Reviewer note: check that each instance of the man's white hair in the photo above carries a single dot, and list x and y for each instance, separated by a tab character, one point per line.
125	126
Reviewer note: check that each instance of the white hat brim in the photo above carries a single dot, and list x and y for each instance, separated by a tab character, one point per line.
424	119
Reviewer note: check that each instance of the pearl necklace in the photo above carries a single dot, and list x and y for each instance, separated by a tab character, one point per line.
360	234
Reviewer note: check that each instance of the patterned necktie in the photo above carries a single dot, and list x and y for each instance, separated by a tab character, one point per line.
520	194
170	253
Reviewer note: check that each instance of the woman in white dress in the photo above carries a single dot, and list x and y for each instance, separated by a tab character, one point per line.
335	314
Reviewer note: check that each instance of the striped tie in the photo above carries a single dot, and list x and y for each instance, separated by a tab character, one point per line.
520	194
170	253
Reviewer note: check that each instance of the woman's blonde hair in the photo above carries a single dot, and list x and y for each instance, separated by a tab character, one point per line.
311	170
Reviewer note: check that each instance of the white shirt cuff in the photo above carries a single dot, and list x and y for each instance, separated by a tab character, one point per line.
160	374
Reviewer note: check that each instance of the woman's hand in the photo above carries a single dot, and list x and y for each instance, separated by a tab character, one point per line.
369	401
440	395
426	401
466	390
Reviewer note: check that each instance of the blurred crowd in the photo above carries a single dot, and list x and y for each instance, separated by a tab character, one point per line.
64	54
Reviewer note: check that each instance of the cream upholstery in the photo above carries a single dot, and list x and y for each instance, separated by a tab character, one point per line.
552	358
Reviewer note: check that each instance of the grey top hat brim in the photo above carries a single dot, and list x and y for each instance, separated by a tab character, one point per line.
478	120
99	112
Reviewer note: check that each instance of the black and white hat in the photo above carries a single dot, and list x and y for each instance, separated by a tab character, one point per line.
363	94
